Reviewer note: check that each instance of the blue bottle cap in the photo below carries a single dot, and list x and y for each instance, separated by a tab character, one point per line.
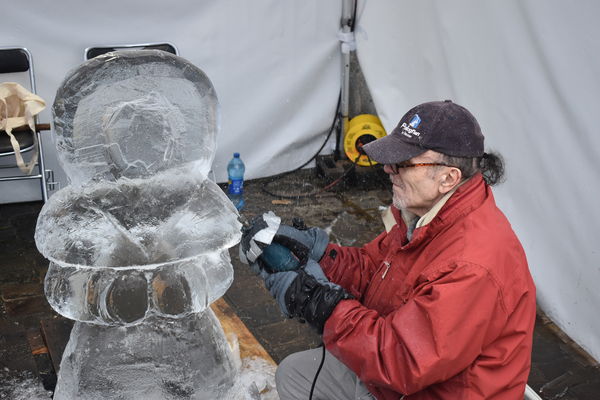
236	155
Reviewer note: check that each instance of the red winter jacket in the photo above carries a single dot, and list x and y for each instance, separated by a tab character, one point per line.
448	315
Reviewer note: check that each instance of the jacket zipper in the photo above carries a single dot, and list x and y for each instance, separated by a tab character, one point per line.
387	264
387	267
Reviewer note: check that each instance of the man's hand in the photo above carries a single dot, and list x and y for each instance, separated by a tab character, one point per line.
258	235
299	294
305	243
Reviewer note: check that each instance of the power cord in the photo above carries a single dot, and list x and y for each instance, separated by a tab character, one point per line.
299	196
346	172
335	121
312	388
279	176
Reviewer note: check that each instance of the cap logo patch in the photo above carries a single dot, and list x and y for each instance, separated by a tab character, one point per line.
409	130
415	121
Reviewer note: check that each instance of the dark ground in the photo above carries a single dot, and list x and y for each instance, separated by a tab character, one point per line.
560	370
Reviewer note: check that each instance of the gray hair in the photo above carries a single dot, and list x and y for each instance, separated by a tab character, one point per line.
491	165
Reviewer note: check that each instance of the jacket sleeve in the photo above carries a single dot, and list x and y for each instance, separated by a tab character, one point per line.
353	267
438	333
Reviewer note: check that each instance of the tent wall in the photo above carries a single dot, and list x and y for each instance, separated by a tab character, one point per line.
527	69
275	66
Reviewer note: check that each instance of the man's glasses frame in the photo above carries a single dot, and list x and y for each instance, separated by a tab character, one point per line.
396	167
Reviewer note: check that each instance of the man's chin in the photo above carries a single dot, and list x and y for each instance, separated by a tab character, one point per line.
399	203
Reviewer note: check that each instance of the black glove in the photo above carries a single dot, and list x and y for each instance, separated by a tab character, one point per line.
279	283
311	301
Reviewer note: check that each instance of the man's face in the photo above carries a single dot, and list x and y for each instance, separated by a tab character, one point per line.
417	189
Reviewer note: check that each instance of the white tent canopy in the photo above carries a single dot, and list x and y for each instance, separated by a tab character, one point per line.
525	68
528	71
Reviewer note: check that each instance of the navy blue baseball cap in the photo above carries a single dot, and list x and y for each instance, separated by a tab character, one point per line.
441	126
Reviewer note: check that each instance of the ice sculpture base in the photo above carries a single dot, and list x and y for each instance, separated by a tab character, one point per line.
187	358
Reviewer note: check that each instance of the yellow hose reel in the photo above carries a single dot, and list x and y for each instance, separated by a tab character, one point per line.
362	129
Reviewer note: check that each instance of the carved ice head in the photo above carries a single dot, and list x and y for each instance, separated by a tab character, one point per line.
135	114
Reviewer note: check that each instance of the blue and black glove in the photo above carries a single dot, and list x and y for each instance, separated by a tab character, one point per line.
305	243
306	294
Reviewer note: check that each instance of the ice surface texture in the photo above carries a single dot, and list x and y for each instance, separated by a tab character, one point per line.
125	297
158	359
132	114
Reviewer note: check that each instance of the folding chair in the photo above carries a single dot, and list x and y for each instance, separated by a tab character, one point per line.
18	60
95	51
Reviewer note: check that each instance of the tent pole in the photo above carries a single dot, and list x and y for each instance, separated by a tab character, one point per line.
345	89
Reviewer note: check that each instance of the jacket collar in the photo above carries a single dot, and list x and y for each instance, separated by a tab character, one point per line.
452	204
430	215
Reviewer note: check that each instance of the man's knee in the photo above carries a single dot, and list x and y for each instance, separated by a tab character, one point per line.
284	369
295	373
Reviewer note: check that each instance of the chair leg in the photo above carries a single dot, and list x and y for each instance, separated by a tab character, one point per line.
42	167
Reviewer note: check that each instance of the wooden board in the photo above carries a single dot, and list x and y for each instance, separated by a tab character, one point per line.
57	332
249	346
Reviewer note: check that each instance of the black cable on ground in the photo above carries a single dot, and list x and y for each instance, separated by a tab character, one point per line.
281	175
299	196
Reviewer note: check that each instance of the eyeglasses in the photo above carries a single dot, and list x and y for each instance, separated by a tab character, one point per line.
396	167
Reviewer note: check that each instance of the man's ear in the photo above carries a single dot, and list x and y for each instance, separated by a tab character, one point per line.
449	179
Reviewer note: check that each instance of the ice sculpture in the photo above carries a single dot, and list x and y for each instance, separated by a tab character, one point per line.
138	242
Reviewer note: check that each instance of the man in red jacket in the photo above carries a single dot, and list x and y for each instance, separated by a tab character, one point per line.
439	306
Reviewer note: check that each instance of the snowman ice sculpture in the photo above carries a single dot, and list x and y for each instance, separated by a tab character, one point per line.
138	242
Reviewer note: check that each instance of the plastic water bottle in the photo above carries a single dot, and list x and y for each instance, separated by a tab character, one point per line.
235	189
